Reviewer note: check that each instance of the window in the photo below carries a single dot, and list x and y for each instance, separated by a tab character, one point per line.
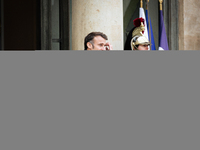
55	25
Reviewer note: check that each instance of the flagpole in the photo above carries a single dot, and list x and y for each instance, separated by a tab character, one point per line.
163	43
141	4
149	22
161	1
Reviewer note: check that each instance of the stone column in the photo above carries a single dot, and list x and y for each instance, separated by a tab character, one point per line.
189	25
97	15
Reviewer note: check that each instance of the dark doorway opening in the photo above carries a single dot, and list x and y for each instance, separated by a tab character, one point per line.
1	24
21	25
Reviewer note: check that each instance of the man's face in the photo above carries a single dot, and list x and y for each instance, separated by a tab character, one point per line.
99	43
143	47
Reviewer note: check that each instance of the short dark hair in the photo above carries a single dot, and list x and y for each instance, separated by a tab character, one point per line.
91	36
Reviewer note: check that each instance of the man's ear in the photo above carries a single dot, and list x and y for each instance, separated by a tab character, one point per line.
89	45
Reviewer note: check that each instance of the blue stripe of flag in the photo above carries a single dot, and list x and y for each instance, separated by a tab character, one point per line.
153	46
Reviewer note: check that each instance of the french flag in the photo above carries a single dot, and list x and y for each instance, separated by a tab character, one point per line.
149	28
142	15
163	43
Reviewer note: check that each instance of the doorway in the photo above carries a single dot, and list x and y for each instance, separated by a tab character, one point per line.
34	25
1	25
131	12
170	14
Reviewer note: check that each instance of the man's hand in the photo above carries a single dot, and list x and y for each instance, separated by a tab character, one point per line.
108	46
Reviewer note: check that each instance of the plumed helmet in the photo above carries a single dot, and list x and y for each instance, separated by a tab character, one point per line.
136	35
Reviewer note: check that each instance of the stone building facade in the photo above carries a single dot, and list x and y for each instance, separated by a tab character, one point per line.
63	24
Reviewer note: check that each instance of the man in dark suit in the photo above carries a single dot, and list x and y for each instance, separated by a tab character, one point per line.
97	41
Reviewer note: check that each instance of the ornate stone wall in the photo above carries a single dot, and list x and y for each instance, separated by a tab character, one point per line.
189	25
94	15
107	16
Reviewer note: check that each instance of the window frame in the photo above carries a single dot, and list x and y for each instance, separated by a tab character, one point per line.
46	26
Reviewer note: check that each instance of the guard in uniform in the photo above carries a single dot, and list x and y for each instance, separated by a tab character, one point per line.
136	39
